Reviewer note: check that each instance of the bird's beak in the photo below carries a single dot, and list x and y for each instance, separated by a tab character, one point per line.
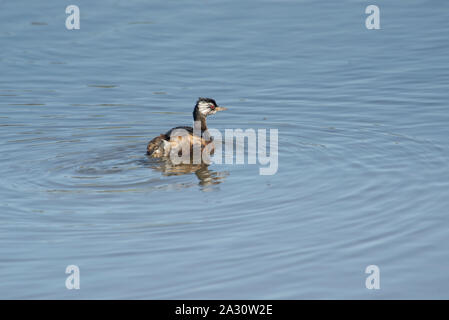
220	109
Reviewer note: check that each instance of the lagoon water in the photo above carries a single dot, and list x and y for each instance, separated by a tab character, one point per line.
363	175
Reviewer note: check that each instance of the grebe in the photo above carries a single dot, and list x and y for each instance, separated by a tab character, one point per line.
175	138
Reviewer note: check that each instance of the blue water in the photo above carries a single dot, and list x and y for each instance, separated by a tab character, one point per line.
363	173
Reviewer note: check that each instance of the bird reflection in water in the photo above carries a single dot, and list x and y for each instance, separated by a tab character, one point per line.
205	176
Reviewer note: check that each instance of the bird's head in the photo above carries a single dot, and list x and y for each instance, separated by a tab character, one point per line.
206	107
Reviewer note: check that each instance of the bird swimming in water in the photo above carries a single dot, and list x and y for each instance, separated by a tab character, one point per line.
177	137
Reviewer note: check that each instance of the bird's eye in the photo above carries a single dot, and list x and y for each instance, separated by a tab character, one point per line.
212	106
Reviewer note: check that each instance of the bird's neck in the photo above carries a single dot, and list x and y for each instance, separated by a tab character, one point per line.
197	116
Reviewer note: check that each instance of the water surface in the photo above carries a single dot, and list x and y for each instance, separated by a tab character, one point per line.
363	150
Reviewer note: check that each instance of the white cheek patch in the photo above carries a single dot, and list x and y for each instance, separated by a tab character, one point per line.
204	108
